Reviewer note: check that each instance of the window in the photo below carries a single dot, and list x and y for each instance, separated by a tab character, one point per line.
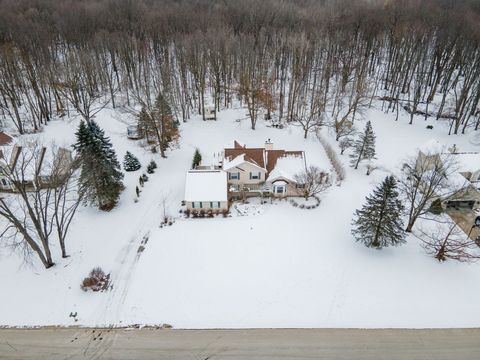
215	204
4	182
197	204
255	175
279	189
300	186
234	176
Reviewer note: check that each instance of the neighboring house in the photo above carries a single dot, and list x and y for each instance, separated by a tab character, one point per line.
5	147
206	190
263	170
468	195
5	183
464	192
32	172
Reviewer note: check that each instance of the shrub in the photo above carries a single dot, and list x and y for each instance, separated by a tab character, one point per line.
130	162
151	167
225	213
97	280
436	207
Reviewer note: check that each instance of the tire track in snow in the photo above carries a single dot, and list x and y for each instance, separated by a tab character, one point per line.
127	259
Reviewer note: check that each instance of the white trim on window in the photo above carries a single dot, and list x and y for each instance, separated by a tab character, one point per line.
215	204
234	176
255	175
197	205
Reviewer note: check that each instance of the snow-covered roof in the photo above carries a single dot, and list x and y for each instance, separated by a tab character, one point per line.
433	146
456	182
240	159
237	161
286	168
206	185
467	162
34	160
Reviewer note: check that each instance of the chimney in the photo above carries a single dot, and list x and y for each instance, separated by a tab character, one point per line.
268	145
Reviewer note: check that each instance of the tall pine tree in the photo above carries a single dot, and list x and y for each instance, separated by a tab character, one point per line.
379	224
100	176
364	146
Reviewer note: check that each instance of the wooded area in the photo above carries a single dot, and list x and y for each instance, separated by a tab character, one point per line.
313	62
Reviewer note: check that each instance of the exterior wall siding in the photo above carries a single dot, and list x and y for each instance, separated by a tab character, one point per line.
291	190
206	206
244	170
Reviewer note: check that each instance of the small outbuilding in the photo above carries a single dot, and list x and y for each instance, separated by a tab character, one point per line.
210	113
206	190
134	133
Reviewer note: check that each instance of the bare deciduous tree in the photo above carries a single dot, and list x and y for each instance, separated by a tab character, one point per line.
424	178
313	181
43	199
448	241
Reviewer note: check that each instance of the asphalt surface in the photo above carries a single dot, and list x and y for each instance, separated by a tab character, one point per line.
271	344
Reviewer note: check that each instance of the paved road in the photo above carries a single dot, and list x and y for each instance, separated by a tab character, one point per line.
119	344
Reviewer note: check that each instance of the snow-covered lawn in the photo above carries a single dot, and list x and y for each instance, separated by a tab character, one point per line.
279	266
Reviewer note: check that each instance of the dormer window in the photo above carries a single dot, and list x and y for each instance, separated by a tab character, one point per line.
255	175
233	176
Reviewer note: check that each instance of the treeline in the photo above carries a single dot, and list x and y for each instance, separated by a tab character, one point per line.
312	62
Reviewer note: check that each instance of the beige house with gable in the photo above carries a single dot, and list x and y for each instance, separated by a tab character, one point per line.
464	190
263	170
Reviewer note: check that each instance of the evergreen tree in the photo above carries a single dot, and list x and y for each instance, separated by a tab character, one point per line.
130	162
364	146
378	224
197	159
100	177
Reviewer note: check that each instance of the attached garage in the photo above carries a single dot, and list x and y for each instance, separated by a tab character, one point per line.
206	190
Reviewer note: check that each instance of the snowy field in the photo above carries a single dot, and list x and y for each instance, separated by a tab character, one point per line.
279	266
